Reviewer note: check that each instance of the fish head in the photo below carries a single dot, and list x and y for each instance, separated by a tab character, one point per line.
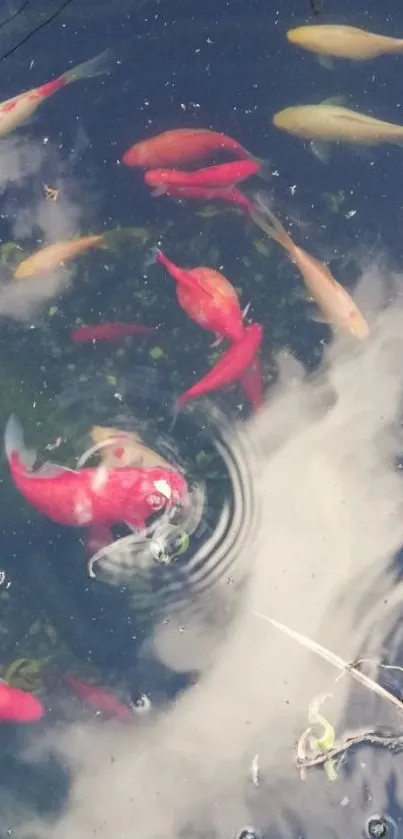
132	157
299	35
285	119
168	489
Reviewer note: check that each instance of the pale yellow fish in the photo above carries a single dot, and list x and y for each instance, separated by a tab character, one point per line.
126	449
14	112
335	303
331	123
343	42
52	256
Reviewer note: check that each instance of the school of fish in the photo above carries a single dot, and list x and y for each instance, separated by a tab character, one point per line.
132	482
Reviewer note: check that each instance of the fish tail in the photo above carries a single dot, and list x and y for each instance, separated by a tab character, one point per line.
14	443
175	411
265	171
270	224
151	257
93	67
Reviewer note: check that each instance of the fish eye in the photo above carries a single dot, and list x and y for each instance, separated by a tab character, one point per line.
156	501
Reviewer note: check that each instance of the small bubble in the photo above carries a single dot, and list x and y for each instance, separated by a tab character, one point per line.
379	826
248	833
142	704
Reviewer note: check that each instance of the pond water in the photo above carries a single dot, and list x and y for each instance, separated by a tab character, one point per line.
227	660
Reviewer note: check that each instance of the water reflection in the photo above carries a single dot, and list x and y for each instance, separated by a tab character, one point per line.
220	696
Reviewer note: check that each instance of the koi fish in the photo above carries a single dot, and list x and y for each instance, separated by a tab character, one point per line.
98	698
333	300
94	498
109	331
181	146
208	298
124	448
18	705
224	175
14	112
230	367
329	122
230	195
52	256
344	42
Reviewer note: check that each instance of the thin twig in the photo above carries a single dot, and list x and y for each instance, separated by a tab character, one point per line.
334	659
391	741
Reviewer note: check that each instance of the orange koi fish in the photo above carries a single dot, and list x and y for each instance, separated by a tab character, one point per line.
208	298
224	175
98	698
335	303
14	112
230	195
55	255
181	146
230	367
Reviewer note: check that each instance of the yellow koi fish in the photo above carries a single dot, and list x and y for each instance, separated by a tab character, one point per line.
335	303
14	112
343	42
329	122
55	255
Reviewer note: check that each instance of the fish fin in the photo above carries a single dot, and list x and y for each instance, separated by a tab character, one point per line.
264	217
135	527
339	101
98	537
52	470
328	63
151	257
97	66
175	412
265	171
217	341
321	151
159	190
317	317
14	442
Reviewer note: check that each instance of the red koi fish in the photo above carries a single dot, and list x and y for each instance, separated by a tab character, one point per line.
230	195
98	698
224	175
230	367
94	498
208	298
109	331
181	146
14	112
18	705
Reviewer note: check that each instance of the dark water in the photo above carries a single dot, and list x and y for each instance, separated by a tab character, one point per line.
222	65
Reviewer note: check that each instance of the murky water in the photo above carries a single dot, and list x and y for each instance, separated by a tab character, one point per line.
232	668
